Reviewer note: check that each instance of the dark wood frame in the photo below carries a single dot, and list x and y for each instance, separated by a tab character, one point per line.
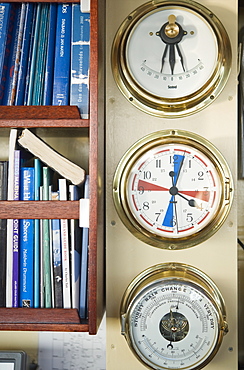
68	116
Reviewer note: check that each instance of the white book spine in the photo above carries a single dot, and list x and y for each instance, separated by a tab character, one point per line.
65	249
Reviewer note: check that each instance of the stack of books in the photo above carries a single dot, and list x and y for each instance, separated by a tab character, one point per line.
44	262
44	55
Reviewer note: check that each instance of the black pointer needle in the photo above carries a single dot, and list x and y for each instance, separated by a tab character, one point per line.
172	58
163	57
181	57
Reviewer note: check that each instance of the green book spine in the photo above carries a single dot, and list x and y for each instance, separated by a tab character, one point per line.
46	244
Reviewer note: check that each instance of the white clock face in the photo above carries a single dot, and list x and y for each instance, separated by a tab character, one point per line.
169	68
171	59
173	189
173	325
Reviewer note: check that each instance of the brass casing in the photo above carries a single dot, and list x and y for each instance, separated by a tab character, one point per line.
159	273
164	106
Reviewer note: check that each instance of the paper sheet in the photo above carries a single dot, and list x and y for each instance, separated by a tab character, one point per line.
72	351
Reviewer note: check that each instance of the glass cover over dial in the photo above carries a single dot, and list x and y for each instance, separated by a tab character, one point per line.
172	189
173	317
171	58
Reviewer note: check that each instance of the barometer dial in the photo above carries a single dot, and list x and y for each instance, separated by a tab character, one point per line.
171	58
173	317
172	189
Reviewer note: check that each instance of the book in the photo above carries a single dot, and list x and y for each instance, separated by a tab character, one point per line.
51	158
46	244
75	244
26	283
41	56
34	49
16	196
10	196
4	24
14	57
7	52
3	232
48	72
65	248
61	79
31	56
37	185
41	264
57	258
84	261
25	50
80	60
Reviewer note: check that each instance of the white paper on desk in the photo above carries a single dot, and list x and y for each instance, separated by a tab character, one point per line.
67	351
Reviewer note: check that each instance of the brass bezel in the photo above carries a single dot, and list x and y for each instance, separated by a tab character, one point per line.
145	144
168	107
178	272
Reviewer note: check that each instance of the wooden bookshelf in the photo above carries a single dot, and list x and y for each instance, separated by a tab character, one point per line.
68	117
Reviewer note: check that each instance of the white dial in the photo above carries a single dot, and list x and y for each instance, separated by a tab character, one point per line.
172	322
169	68
172	189
170	58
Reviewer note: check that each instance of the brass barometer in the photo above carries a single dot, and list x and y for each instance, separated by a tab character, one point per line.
171	58
173	189
173	316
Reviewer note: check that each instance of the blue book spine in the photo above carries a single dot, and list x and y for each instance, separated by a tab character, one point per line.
16	193
48	74
9	39
34	25
61	81
38	183
80	60
4	21
32	67
26	297
23	66
14	57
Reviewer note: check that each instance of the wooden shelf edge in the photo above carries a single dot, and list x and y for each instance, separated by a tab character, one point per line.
39	209
41	116
45	327
41	319
65	123
41	1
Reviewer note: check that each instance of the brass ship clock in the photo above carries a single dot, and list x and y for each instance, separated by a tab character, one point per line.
173	316
173	189
171	58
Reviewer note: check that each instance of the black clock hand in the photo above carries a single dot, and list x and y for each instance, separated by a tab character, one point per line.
191	202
